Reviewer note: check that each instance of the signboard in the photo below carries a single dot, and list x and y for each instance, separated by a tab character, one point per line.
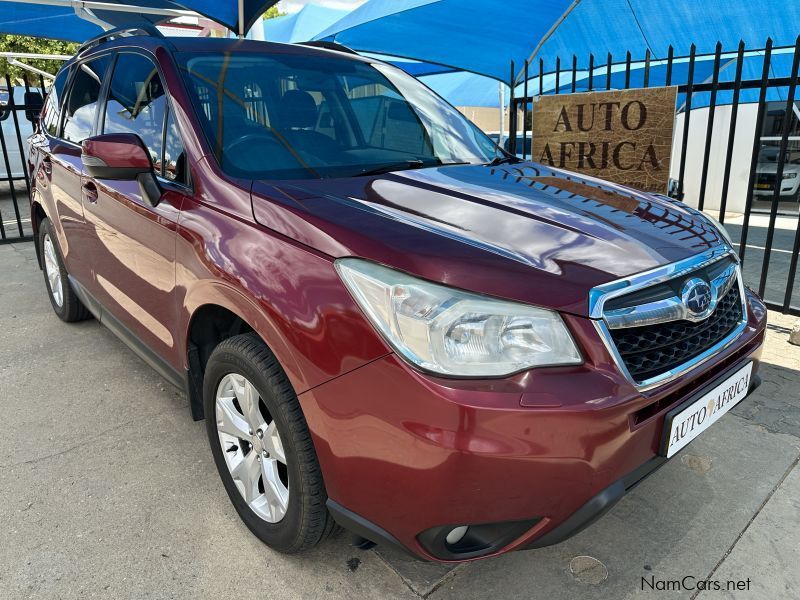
624	136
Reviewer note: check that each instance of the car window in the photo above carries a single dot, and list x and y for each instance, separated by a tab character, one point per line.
174	154
385	119
81	106
136	103
52	107
287	116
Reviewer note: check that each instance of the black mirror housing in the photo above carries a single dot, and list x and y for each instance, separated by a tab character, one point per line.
33	106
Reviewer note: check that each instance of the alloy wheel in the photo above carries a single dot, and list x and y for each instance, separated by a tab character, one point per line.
53	271
252	448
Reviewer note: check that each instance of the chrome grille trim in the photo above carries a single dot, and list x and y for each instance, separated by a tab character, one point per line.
599	295
671	309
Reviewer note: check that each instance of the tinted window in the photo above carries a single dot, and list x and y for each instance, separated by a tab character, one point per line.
81	106
174	154
285	116
53	105
137	102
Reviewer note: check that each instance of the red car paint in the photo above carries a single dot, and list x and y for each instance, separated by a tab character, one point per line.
403	450
118	150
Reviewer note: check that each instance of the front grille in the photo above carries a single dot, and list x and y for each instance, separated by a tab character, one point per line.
767	178
653	350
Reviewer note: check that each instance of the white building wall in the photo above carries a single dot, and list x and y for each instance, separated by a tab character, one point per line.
740	163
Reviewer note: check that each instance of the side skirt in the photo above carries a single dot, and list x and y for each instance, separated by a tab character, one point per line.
130	339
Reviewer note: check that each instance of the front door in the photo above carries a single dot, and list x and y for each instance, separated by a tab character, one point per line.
134	244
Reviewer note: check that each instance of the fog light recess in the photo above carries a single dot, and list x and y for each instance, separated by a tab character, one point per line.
462	542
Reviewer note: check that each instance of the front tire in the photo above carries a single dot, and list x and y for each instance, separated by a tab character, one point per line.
262	446
65	302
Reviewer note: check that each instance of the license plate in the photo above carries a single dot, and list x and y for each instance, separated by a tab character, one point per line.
763	186
701	414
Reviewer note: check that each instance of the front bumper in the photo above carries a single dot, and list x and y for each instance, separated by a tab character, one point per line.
536	457
789	189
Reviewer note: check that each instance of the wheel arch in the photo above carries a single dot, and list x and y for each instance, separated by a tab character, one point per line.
216	312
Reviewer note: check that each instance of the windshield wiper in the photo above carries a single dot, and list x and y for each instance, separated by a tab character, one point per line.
398	166
501	160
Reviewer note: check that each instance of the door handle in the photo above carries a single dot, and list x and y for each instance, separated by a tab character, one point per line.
47	166
90	192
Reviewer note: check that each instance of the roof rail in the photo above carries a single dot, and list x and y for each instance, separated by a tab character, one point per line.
328	45
119	32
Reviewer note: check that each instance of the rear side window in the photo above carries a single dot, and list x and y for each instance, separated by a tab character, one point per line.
52	108
84	95
137	103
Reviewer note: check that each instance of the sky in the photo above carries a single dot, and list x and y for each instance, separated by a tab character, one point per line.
291	6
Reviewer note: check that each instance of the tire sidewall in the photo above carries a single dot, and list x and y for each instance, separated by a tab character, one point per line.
46	229
284	535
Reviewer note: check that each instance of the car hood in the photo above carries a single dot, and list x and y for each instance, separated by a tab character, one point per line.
520	231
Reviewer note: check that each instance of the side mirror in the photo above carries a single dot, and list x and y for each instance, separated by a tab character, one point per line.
33	106
121	157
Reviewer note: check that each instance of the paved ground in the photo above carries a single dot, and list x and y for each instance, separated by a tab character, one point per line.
108	490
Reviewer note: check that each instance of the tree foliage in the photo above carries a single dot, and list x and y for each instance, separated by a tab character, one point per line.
24	43
273	12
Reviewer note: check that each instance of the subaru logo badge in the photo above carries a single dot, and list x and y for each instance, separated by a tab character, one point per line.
696	296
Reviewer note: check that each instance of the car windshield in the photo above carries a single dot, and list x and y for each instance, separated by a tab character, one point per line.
303	116
770	155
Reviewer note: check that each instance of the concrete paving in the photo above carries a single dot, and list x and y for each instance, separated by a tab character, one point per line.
108	490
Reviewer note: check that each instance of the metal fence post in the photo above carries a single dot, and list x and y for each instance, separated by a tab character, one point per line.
712	107
762	102
726	176
786	129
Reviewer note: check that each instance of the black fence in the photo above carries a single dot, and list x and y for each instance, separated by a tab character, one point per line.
766	230
19	107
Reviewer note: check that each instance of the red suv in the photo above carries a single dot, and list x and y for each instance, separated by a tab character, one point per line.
386	321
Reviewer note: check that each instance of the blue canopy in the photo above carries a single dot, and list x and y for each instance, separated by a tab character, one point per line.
484	38
61	22
226	11
56	22
467	89
471	35
303	25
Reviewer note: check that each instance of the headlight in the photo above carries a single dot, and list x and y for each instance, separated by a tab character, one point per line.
790	175
456	333
721	228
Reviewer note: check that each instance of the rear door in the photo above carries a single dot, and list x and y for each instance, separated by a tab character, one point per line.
58	172
134	244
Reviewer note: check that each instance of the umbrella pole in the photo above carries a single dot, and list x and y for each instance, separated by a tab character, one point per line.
501	136
241	19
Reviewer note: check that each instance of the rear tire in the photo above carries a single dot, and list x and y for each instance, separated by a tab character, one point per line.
65	302
252	414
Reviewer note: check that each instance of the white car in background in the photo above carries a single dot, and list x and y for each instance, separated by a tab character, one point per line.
767	170
16	154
